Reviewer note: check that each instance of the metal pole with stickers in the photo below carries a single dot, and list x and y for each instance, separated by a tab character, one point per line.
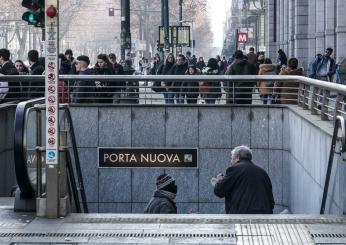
52	107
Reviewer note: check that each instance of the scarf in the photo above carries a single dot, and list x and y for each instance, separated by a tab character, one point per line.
168	194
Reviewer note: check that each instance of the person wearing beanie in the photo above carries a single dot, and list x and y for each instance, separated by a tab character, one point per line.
163	200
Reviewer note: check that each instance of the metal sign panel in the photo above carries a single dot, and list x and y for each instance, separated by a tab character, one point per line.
178	35
51	81
147	157
242	37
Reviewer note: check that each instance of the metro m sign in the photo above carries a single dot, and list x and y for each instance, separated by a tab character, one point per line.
242	37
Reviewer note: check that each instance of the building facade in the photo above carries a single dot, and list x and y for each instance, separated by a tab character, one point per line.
304	28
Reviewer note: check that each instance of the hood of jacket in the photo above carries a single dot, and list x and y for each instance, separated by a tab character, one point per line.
290	71
210	71
267	68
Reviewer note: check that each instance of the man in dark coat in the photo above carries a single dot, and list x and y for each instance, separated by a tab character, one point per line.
163	200
83	91
175	89
8	68
246	187
242	93
37	87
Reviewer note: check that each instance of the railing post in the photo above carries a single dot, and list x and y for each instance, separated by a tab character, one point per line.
314	101
324	108
300	94
306	97
337	106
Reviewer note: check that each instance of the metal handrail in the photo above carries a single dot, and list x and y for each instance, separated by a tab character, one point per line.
339	123
22	175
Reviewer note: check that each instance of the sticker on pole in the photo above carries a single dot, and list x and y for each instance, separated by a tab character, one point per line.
51	80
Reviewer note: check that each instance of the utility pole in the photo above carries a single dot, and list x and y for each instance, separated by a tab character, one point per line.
125	31
180	21
180	12
165	18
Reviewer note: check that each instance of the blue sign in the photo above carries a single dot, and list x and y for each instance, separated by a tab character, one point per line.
51	155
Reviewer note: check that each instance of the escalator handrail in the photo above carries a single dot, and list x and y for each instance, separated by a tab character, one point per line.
339	123
77	161
22	175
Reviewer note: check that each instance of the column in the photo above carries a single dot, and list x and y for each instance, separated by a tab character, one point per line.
286	30
312	31
270	25
340	31
282	23
291	27
320	26
301	30
330	23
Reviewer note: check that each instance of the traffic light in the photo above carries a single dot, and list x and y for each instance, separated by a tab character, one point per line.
159	48
35	15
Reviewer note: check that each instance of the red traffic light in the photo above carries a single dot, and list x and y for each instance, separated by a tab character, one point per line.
51	11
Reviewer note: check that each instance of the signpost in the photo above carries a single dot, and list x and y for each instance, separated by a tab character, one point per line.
52	107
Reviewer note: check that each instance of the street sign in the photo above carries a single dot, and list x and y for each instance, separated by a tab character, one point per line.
178	36
51	81
242	37
134	157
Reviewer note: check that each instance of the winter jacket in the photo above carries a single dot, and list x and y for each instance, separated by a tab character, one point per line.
201	65
161	204
191	88
284	88
163	70
14	87
177	70
247	189
105	89
156	66
317	65
266	87
242	90
84	91
212	89
37	87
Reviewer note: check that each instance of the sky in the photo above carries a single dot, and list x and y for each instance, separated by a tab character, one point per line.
218	10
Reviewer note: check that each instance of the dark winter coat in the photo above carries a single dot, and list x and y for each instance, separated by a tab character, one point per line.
83	91
163	70
105	89
212	89
177	70
247	189
200	65
37	87
14	87
243	90
157	64
160	204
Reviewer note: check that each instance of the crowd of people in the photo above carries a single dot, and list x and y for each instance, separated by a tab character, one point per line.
174	92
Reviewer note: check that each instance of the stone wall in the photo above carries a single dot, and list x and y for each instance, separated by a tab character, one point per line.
214	130
7	174
313	25
309	144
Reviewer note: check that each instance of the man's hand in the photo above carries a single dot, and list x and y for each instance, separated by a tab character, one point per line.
220	176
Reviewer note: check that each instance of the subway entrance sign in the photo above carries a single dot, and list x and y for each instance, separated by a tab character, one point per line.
147	157
243	37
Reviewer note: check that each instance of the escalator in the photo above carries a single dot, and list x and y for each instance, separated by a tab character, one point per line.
29	154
